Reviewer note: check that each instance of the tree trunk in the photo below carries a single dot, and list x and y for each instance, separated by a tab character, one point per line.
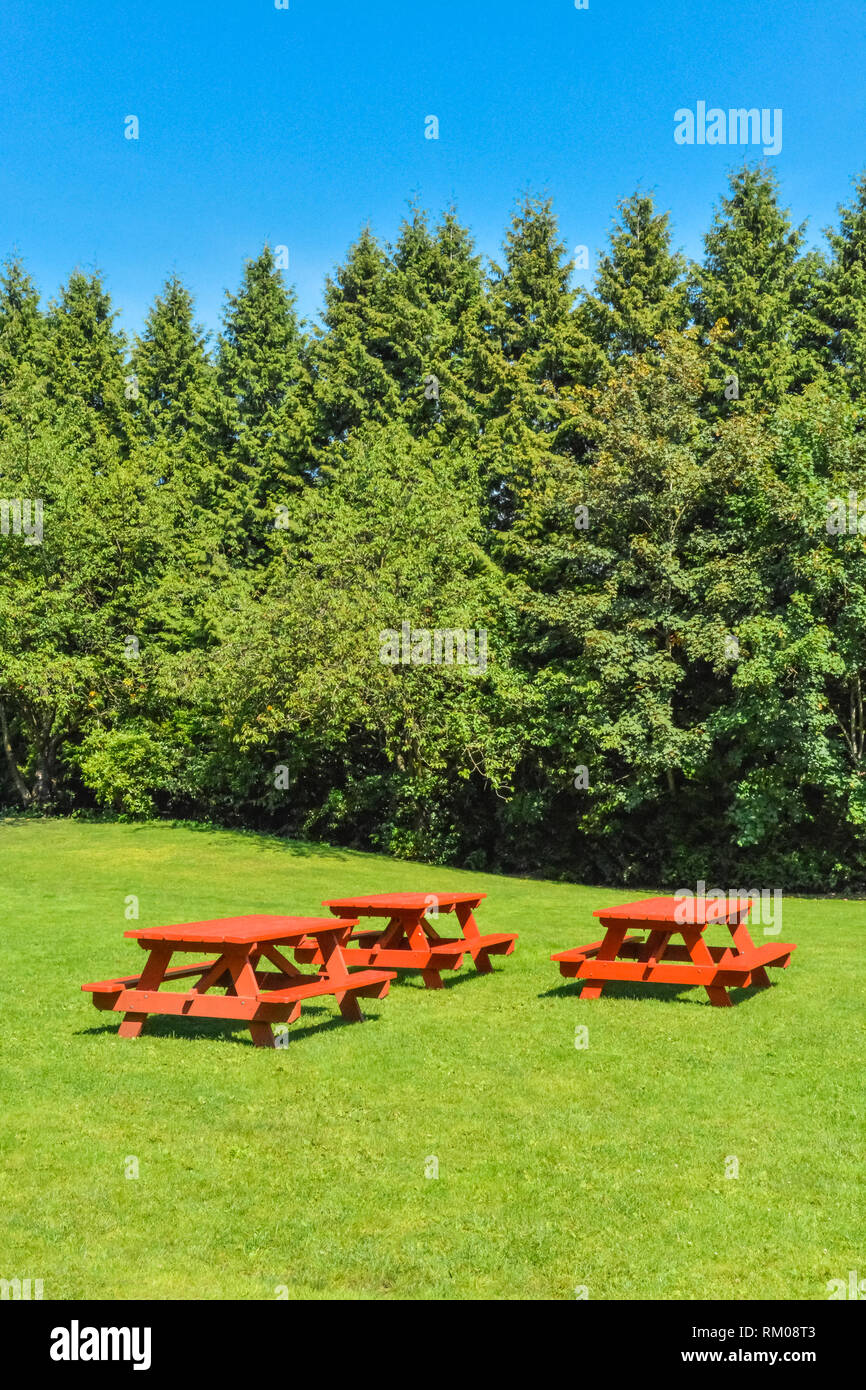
44	783
18	782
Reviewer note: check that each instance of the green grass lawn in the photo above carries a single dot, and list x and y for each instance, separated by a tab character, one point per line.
304	1167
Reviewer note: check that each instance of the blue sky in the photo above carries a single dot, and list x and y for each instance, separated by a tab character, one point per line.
298	126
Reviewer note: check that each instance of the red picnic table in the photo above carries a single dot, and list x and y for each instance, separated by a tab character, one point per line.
654	960
261	997
409	941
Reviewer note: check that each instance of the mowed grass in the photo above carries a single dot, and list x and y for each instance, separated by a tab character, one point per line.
304	1168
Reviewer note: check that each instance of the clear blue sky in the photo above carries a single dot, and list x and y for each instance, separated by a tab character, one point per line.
299	125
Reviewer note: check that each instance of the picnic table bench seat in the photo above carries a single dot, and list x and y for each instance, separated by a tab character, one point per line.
495	943
365	982
109	989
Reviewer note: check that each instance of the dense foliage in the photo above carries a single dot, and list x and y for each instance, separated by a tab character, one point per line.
638	512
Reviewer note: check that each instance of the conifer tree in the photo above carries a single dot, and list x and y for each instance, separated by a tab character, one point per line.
640	288
843	293
531	298
86	365
435	304
174	377
538	351
755	278
265	395
355	377
22	347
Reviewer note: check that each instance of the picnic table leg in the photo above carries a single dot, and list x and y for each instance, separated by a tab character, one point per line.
218	976
402	932
151	979
469	927
719	996
243	977
237	973
335	968
743	942
131	1025
608	950
414	926
699	952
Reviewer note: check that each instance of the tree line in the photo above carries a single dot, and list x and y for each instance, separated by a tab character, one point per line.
649	497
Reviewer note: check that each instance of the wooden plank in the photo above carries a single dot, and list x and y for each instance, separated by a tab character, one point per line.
105	999
193	1005
307	954
177	972
395	958
657	911
400	959
363	979
579	953
374	991
774	954
495	943
667	973
383	904
236	931
274	1006
644	973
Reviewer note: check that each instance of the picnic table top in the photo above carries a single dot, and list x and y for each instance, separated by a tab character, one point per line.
239	931
403	901
699	912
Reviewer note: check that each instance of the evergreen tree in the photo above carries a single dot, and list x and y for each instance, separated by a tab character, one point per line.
20	320
684	613
434	299
531	297
22	347
86	367
388	533
353	354
174	377
640	288
265	396
843	294
538	350
755	278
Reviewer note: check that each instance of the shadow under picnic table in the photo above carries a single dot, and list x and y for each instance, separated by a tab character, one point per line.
170	1027
669	994
414	979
